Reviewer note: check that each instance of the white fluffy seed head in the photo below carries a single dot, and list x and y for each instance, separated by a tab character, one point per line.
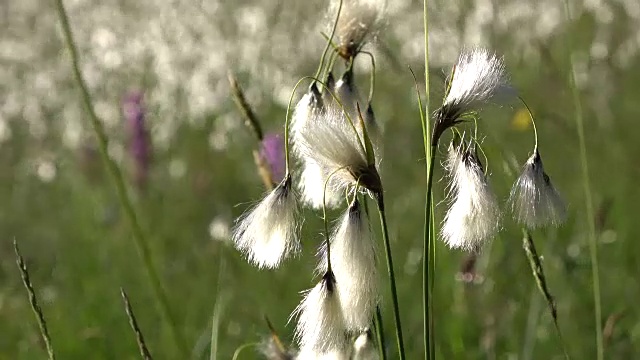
348	95
534	200
347	92
359	22
364	348
320	328
267	234
309	106
312	178
310	175
354	264
331	142
336	354
477	77
329	91
474	215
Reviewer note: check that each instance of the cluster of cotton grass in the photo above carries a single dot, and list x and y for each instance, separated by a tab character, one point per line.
335	142
474	214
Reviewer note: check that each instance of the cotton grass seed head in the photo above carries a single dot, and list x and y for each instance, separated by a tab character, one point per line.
267	234
327	96
336	354
373	129
320	328
311	184
332	142
353	261
309	106
358	24
534	200
477	78
364	348
347	93
474	216
311	175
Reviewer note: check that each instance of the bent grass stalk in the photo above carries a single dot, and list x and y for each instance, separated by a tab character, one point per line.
243	347
142	346
538	273
140	239
251	120
593	245
33	301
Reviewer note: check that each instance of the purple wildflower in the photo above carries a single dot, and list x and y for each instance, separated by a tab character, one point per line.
138	136
272	152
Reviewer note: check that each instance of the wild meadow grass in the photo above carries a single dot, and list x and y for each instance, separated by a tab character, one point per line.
85	239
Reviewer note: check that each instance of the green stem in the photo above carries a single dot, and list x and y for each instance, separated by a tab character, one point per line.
428	259
139	237
392	278
333	31
380	334
429	255
593	245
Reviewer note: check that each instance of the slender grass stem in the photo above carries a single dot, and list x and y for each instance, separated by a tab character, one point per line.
243	347
333	31
392	278
33	301
593	244
141	241
429	263
429	255
538	273
380	333
142	346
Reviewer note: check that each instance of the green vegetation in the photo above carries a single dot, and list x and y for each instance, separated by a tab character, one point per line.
79	248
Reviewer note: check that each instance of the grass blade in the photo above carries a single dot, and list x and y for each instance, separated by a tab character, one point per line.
250	118
144	350
538	273
141	241
33	301
589	213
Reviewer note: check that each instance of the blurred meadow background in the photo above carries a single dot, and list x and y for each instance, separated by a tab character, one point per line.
59	203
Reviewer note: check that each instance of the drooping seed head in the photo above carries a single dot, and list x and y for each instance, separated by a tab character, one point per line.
320	328
268	233
534	200
364	347
474	215
354	264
